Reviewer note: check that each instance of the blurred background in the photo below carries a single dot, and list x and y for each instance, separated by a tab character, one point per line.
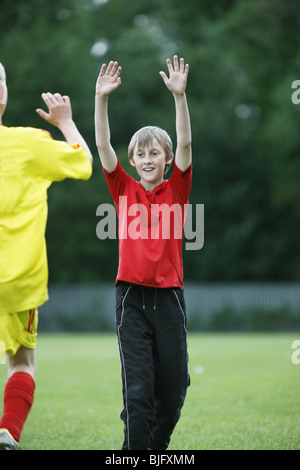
244	56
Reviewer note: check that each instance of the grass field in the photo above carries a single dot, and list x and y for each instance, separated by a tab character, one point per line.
244	394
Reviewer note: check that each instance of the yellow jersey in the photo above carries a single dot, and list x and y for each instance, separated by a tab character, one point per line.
30	160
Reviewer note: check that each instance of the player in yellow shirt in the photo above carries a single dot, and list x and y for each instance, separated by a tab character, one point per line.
30	160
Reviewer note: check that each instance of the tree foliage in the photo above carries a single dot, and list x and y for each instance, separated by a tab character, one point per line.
243	56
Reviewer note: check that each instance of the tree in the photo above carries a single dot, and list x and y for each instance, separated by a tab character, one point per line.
243	57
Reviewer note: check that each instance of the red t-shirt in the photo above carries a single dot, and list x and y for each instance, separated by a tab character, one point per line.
150	227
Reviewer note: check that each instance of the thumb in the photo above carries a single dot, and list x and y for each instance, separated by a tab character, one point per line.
118	83
43	114
163	76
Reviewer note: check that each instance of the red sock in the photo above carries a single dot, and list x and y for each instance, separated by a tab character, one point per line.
17	401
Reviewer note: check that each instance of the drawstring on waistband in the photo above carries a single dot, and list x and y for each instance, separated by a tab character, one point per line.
143	294
143	298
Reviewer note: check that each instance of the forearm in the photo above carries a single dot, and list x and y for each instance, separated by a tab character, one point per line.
183	125
183	132
72	135
102	130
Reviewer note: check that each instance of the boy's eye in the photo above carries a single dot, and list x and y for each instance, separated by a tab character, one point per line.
141	154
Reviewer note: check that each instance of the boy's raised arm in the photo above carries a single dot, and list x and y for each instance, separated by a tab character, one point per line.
60	115
176	83
108	80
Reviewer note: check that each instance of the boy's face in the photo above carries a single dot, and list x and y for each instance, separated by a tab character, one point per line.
150	164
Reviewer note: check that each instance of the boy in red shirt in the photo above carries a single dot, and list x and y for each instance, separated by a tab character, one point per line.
150	307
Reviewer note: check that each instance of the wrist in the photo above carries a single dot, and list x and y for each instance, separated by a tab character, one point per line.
101	98
179	95
66	125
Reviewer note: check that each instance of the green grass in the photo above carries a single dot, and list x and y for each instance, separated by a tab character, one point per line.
244	394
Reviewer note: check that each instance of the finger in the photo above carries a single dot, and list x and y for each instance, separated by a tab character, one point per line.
163	76
169	65
118	71
66	99
181	67
175	59
109	67
43	114
186	71
58	97
114	68
48	98
102	70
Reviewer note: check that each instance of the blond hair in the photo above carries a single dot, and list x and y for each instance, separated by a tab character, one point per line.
2	73
145	136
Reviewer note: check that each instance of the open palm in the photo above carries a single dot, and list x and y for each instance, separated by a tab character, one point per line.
109	79
178	73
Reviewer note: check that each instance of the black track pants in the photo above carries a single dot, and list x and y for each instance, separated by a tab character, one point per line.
151	330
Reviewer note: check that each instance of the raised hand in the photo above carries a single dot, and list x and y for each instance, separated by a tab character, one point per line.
109	79
60	115
178	73
59	109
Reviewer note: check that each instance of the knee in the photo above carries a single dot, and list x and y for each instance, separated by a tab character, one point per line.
22	361
172	400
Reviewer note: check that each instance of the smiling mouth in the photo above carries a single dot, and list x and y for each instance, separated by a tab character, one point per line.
148	170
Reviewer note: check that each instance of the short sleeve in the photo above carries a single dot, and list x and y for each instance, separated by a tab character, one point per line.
118	180
181	182
54	159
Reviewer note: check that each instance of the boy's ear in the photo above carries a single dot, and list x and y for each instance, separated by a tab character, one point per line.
169	159
131	161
